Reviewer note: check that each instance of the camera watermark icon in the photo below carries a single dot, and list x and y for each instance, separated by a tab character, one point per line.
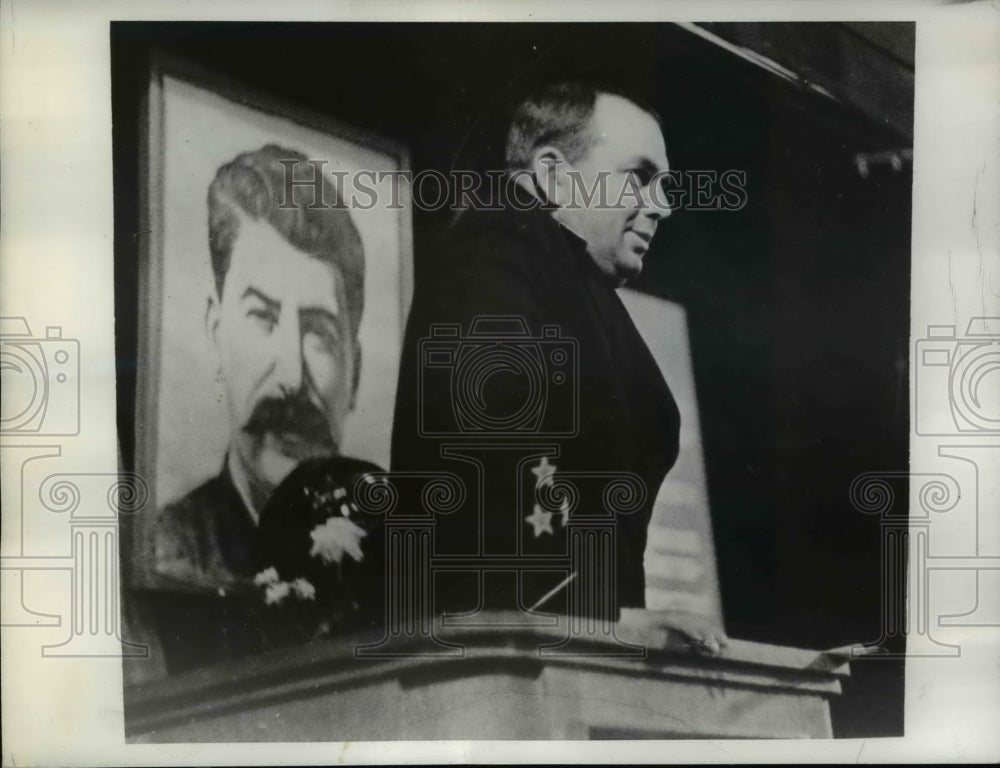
41	381
584	563
20	561
94	616
92	502
409	616
966	369
520	541
500	380
913	564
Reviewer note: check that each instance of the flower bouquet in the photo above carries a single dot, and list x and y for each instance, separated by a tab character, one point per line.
318	558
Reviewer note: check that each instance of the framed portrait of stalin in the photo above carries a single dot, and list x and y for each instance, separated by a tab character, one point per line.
270	306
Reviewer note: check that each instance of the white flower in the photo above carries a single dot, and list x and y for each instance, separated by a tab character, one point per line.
277	592
304	589
335	537
269	576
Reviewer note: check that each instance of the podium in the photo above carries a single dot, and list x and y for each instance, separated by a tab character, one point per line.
498	683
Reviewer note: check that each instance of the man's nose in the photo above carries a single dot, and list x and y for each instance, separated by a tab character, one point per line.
656	205
288	363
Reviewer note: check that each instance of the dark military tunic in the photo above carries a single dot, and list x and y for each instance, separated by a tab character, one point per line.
609	412
200	608
207	600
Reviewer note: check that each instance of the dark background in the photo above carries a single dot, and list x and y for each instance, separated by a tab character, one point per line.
798	304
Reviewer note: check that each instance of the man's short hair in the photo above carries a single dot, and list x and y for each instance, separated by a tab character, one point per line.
254	184
559	113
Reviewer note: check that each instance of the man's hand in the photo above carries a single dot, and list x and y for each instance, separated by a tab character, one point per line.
702	634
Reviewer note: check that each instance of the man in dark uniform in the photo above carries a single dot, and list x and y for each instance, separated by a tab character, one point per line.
283	321
577	222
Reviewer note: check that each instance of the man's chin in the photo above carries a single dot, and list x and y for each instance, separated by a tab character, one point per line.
277	460
628	265
298	448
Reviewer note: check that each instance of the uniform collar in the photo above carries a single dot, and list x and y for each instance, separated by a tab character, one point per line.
236	475
577	245
576	240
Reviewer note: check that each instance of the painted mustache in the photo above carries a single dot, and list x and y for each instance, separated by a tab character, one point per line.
295	415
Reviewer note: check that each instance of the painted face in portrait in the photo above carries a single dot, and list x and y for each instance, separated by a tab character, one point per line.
286	353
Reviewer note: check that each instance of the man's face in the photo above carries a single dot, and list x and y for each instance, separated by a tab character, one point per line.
629	150
286	353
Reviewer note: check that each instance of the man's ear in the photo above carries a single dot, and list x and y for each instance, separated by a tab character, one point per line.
357	373
550	169
213	314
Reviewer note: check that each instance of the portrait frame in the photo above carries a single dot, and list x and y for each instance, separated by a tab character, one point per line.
169	75
61	186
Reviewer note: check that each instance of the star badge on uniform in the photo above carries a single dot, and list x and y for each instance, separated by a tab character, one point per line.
541	521
543	471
